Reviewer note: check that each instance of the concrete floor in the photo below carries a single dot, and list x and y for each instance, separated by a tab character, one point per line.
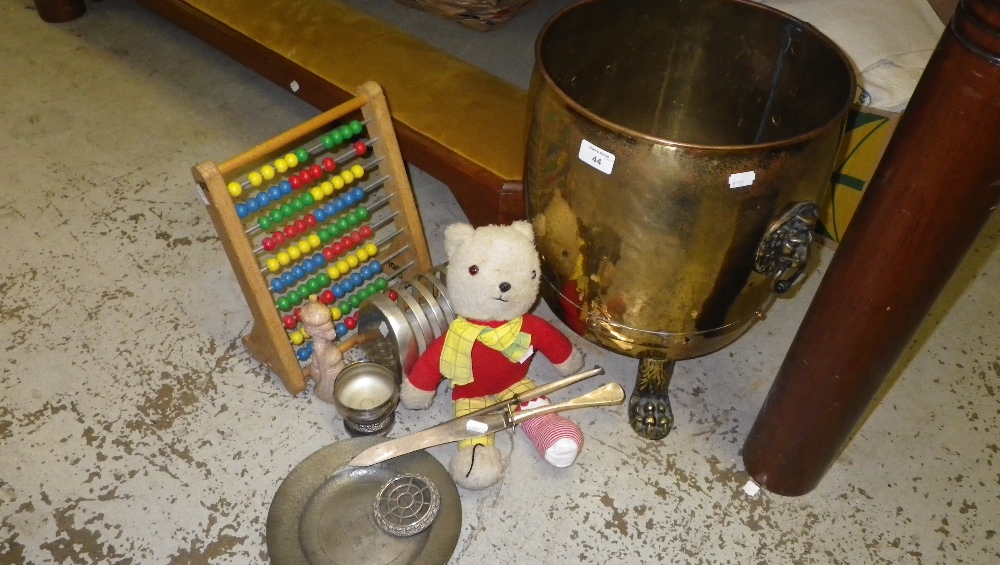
134	428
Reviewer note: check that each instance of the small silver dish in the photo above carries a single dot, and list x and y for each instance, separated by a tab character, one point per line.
366	394
407	505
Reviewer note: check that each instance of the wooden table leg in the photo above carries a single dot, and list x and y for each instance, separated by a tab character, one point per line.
934	190
58	11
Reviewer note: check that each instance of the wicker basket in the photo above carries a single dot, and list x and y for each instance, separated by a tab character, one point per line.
482	15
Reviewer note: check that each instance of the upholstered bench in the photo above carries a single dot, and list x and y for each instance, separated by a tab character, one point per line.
456	122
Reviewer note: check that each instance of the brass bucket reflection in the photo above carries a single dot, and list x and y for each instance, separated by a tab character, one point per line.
677	152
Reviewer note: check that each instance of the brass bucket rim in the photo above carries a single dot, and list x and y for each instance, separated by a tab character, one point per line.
629	132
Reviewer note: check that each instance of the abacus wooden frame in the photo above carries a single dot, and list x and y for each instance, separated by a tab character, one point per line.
267	341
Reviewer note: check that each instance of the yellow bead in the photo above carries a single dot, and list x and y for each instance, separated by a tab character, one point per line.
317	193
234	189
305	334
314	240
267	171
297	338
358	171
362	254
327	188
343	267
284	258
338	183
335	313
273	265
334	272
304	246
292	160
348	176
255	178
280	165
352	260
372	249
294	252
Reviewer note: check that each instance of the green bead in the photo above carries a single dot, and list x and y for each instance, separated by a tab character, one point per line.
287	210
345	132
334	229
264	223
276	216
336	136
356	127
324	235
381	283
293	296
303	154
308	199
284	304
312	285
345	308
323	278
352	218
298	204
362	213
355	300
343	224
364	293
327	141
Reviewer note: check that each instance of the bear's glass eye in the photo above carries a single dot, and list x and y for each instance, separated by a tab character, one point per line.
533	275
473	270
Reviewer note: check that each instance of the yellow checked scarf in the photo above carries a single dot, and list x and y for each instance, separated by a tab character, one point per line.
456	356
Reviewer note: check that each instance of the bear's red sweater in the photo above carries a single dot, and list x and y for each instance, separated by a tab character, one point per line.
492	372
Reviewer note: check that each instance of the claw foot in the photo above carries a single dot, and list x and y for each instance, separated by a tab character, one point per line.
649	411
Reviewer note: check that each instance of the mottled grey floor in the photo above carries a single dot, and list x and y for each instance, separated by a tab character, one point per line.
134	429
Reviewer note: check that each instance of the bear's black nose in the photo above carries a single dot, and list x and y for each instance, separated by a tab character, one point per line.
504	286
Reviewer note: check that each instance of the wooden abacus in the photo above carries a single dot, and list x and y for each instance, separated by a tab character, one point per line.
365	179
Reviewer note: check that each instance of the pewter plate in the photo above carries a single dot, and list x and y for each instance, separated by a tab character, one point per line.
322	513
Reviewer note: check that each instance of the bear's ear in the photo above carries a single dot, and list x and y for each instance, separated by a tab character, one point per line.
525	229
455	235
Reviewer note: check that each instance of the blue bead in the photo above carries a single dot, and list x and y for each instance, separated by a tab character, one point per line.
340	203
331	207
347	284
277	285
253	205
242	210
303	354
359	193
341	329
263	199
298	272
274	192
288	278
285	187
376	267
338	291
366	272
357	280
309	265
319	214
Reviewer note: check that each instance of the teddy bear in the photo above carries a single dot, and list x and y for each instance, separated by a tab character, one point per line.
493	277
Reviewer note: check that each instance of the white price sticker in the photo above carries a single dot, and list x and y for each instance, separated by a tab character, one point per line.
477	426
739	180
596	157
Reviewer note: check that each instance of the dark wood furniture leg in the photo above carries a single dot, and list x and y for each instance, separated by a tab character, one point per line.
932	193
58	11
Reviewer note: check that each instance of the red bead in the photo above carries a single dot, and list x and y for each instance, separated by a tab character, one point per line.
360	148
300	225
329	165
268	244
310	220
289	322
298	314
279	238
329	254
356	314
290	231
316	171
366	231
350	322
295	181
337	248
327	297
357	238
393	295
346	242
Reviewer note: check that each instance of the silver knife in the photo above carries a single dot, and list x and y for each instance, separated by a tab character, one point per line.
477	424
